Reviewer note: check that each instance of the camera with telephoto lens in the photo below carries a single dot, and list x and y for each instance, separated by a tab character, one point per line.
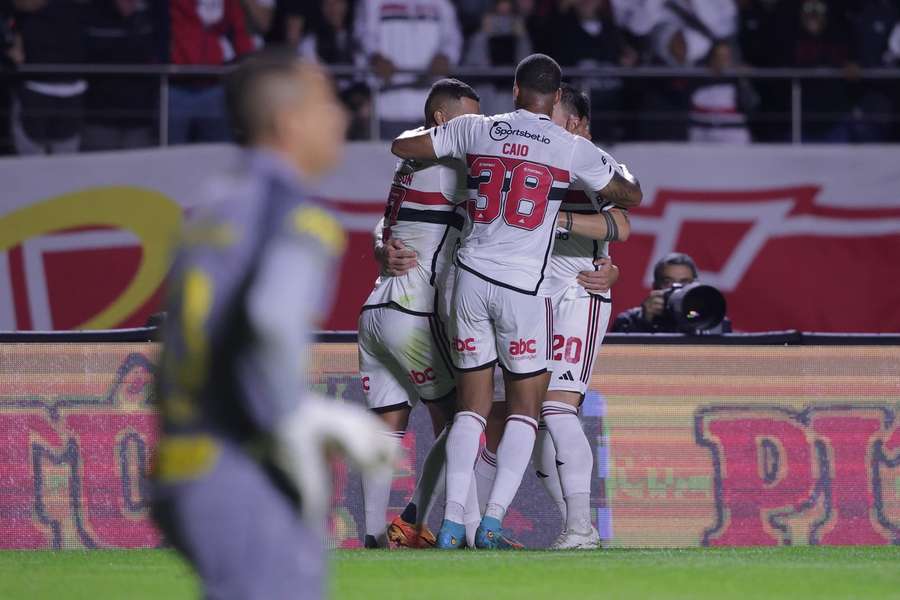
695	307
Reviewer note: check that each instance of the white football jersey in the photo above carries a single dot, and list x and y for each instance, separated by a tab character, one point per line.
520	165
423	212
573	253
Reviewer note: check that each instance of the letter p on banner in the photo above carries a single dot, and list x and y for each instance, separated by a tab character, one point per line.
765	469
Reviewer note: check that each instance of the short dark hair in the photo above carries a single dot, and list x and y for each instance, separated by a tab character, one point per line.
672	258
245	91
447	89
575	101
539	73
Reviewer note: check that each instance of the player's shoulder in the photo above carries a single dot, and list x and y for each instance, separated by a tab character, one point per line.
468	120
588	152
413	173
315	222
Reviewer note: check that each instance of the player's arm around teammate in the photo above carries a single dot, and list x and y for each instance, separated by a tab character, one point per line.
610	225
403	356
499	313
563	457
579	322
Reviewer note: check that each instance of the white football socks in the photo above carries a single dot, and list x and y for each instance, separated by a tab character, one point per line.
472	518
377	495
462	450
513	456
485	473
543	459
575	462
432	478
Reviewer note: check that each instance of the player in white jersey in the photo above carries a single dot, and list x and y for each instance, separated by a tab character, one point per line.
520	166
402	357
580	320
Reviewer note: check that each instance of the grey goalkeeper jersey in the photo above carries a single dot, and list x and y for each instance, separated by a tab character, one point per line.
251	280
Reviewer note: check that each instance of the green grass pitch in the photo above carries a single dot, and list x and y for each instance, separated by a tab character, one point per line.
696	574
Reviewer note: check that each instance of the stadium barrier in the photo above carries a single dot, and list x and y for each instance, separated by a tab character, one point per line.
789	82
89	247
764	439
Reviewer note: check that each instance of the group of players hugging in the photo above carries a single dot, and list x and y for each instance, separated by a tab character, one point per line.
240	483
494	250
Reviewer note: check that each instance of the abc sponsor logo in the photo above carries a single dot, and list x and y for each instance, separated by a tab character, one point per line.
501	130
466	345
523	348
422	377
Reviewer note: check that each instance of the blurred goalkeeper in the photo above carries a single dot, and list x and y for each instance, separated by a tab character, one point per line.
241	476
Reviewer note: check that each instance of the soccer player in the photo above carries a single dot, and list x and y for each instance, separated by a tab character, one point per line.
402	355
579	316
520	166
243	445
579	325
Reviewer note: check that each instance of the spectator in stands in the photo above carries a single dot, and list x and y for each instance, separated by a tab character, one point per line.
651	316
471	14
638	17
877	29
717	20
291	20
203	32
821	42
331	42
11	51
542	19
400	34
665	103
11	55
121	112
765	29
259	16
47	111
587	38
718	105
502	40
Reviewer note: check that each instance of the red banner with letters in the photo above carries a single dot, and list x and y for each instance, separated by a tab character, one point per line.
703	445
796	237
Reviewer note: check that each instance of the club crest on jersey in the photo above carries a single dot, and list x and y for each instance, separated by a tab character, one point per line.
501	130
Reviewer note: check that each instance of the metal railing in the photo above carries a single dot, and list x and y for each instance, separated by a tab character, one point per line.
165	74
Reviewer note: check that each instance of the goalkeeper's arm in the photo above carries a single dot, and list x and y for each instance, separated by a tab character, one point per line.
289	292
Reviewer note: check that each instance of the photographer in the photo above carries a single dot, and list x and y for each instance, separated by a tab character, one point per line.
674	269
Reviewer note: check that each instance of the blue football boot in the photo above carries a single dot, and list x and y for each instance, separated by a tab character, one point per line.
487	536
491	536
451	536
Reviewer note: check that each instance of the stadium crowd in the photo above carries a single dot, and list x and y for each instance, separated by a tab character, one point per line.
59	113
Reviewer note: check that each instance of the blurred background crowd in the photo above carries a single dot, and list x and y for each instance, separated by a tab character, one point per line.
373	45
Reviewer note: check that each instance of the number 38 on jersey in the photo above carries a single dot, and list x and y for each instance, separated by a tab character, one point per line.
519	190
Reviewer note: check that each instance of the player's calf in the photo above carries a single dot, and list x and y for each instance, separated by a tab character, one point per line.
516	445
377	485
574	458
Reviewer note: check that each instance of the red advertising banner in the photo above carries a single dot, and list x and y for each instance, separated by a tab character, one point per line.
799	237
702	445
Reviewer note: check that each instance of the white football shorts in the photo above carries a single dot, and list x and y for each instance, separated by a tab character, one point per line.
579	324
489	322
401	360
